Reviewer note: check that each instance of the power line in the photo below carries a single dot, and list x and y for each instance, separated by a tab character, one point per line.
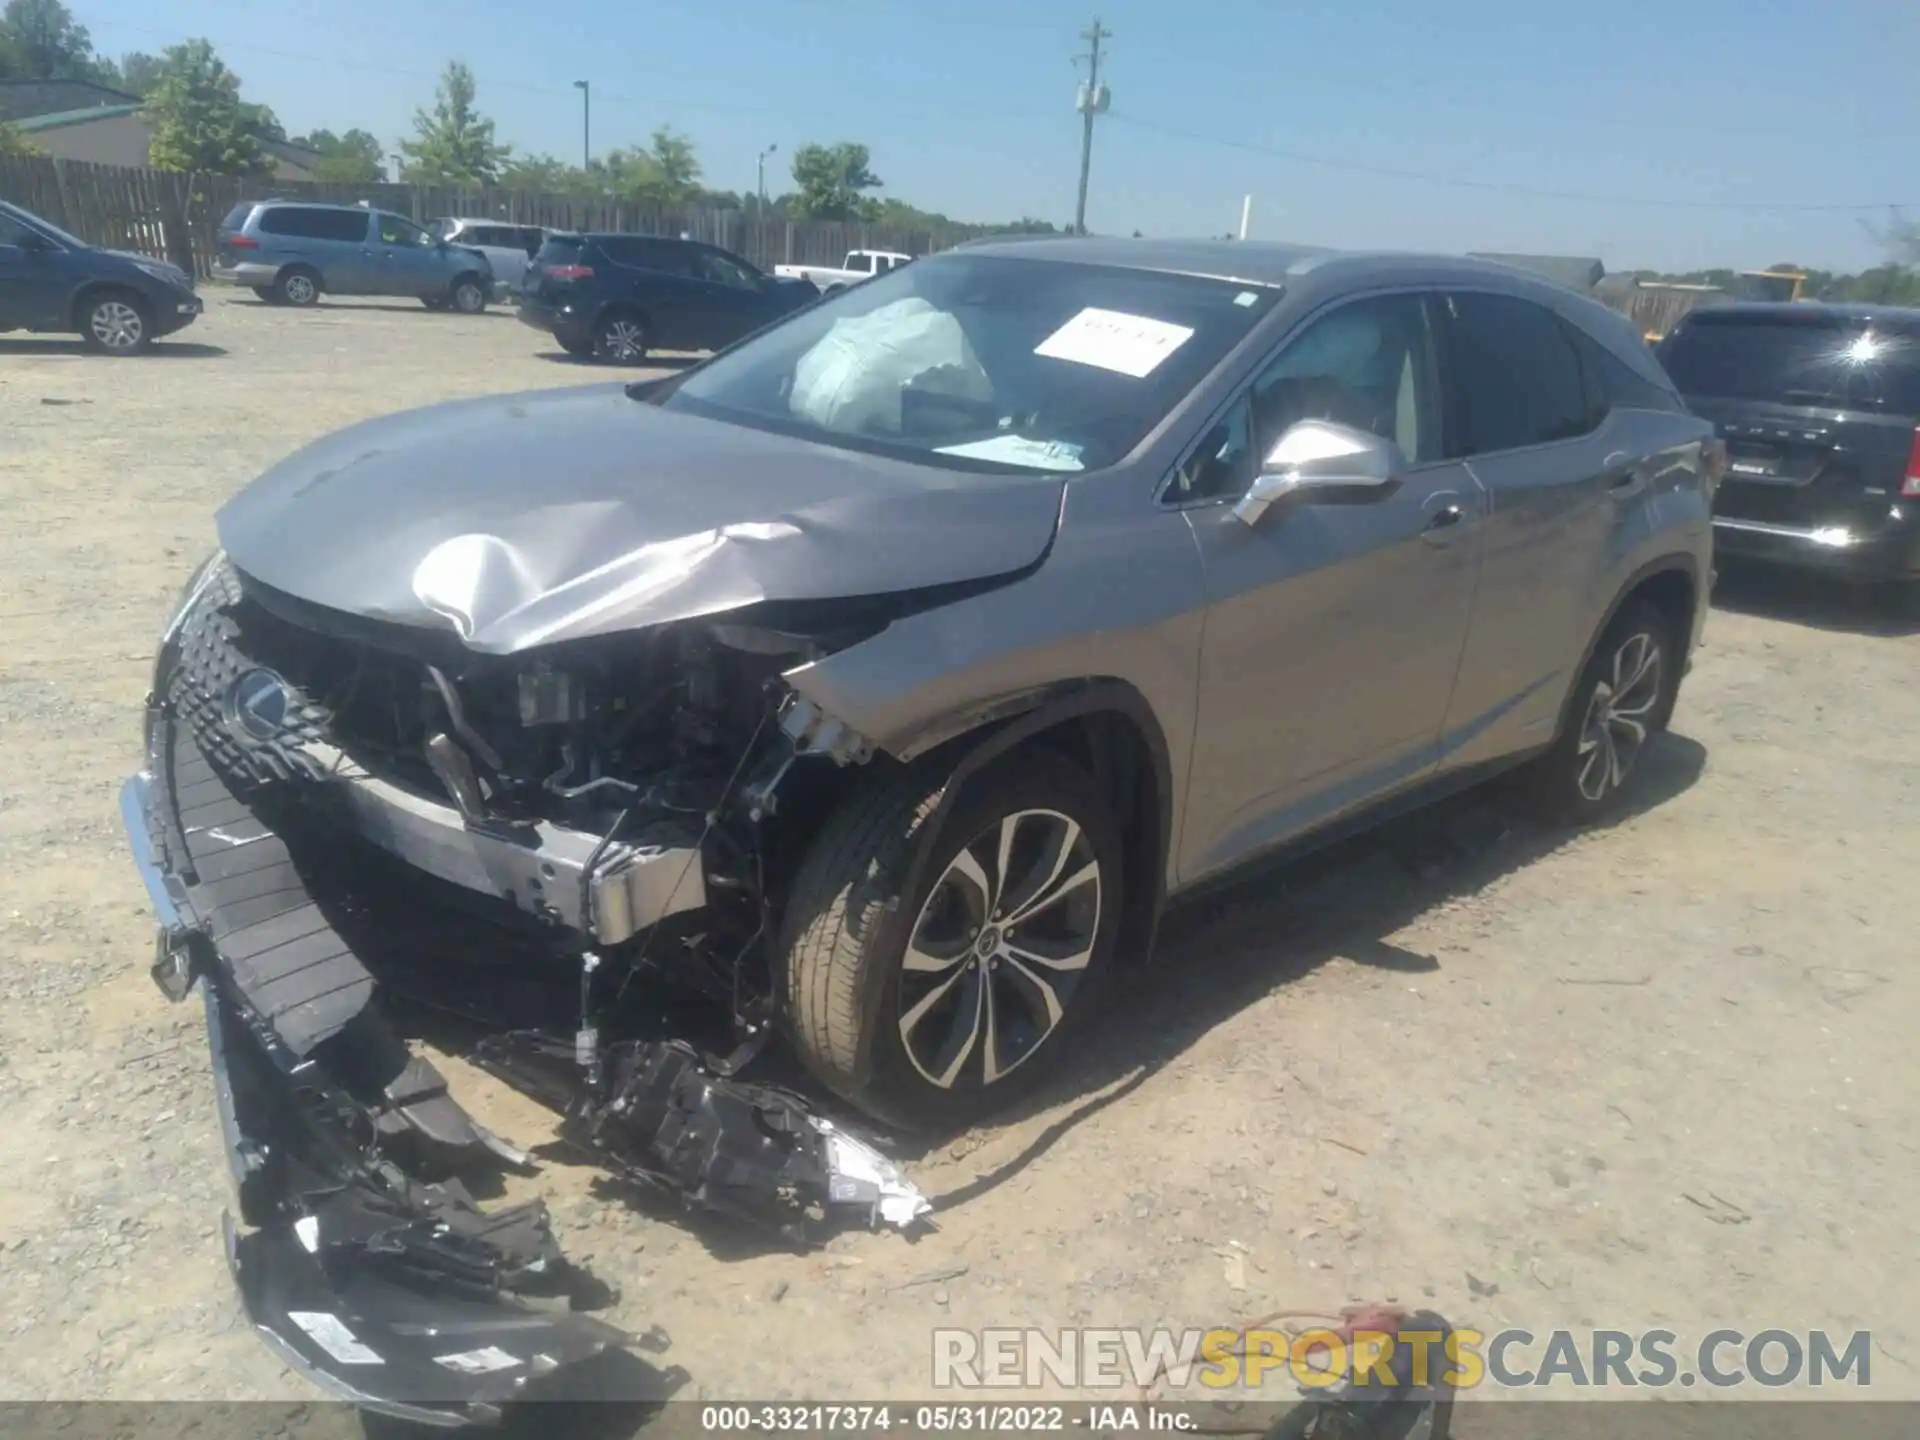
1503	187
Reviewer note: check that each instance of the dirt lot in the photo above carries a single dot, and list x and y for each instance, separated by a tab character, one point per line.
1660	1074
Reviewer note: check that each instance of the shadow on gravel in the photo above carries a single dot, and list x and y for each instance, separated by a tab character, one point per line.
396	307
162	350
652	362
1823	602
1224	951
613	1396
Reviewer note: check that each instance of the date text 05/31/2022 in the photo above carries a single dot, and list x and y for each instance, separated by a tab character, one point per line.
941	1419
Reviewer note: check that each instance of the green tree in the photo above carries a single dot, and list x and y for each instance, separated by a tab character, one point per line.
136	72
14	142
199	121
676	167
833	181
665	172
40	40
547	175
453	145
354	158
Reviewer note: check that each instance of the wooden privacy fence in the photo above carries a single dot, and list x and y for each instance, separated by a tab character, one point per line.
174	216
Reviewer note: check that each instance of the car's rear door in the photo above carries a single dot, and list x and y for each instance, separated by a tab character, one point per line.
1817	409
1563	484
333	241
656	279
1333	630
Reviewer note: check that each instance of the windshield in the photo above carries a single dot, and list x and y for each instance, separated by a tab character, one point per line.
1797	360
45	227
983	362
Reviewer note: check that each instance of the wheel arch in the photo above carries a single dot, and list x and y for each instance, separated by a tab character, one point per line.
91	290
1672	585
304	267
1105	726
622	306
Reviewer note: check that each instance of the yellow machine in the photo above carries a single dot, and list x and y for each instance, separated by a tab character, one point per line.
1771	285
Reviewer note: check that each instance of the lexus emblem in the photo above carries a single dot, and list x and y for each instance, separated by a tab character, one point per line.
257	705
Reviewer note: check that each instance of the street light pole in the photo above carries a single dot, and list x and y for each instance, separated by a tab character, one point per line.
586	120
760	167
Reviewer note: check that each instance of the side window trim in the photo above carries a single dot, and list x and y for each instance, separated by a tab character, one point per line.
1455	434
1242	392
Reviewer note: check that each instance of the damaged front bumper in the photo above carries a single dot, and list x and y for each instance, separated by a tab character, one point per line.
362	1258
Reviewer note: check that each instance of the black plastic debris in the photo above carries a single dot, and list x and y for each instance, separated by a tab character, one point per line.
659	1116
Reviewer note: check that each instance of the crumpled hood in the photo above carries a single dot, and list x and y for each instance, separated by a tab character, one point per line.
521	520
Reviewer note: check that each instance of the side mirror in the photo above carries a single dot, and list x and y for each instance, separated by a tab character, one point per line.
1324	460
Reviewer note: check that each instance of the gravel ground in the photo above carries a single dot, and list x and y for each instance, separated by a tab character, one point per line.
1656	1074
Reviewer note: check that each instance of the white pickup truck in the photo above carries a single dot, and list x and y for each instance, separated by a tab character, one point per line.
859	265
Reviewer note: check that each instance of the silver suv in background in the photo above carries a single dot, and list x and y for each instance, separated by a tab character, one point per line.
291	253
509	248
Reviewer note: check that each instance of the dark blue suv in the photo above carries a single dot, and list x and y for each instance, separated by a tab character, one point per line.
56	283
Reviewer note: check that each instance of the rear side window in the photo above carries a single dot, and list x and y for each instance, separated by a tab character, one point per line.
1791	359
312	223
1613	384
561	250
1515	377
237	216
643	253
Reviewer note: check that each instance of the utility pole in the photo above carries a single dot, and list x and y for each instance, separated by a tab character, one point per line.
1091	100
586	121
761	174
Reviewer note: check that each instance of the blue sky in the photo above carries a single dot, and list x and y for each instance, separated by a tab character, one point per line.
1641	132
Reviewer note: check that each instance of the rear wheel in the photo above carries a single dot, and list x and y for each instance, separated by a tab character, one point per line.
621	339
116	322
932	999
297	285
1622	700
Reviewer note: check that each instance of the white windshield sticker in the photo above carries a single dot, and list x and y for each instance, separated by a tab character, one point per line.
1246	297
1018	450
478	1362
336	1339
1130	344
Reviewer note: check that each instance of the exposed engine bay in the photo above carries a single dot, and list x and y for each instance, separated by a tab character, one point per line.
593	840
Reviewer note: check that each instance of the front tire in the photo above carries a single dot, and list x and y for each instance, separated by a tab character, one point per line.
116	322
1622	700
932	1008
468	296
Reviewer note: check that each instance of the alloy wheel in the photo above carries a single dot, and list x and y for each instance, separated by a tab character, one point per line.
1619	716
624	340
999	948
116	325
468	299
298	289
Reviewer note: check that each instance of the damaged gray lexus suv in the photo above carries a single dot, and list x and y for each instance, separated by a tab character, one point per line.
878	679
